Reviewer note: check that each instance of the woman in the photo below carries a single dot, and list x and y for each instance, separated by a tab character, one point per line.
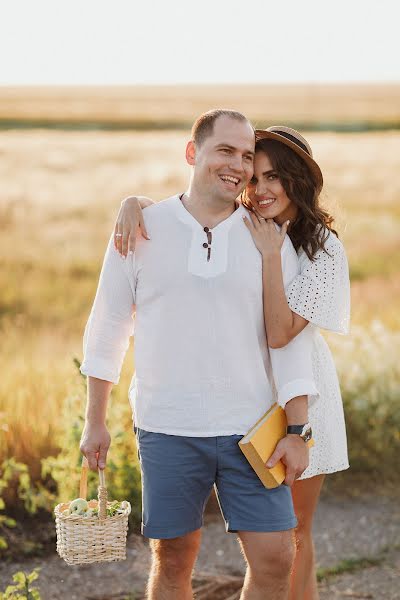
285	191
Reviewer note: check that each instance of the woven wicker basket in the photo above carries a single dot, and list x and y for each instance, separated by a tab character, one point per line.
83	540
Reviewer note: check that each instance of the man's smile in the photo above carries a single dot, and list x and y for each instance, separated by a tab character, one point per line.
230	180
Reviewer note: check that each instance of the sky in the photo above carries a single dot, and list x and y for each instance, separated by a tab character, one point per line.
112	42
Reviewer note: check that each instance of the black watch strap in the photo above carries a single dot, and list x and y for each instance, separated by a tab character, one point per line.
298	429
304	431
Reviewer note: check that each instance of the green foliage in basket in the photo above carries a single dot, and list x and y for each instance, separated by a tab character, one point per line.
22	590
112	510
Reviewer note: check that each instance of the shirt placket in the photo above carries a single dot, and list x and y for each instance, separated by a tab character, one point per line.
207	244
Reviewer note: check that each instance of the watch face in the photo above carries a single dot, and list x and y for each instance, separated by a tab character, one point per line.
306	433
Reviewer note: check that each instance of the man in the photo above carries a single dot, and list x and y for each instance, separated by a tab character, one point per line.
202	365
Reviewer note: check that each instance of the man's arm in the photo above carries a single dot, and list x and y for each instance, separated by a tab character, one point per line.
106	340
294	380
291	363
95	440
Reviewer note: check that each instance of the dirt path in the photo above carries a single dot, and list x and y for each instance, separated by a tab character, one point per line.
353	530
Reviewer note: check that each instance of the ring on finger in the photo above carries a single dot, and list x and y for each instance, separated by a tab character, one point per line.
118	235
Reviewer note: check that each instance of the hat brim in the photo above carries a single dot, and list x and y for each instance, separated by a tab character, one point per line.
263	134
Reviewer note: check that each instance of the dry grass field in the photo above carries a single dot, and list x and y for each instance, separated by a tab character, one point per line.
60	195
144	106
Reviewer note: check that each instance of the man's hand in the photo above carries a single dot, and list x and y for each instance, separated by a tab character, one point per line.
95	442
294	454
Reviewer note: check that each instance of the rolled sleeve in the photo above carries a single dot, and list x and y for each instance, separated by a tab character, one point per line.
292	369
299	387
110	324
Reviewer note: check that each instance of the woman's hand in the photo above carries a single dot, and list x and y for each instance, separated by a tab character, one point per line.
267	238
129	219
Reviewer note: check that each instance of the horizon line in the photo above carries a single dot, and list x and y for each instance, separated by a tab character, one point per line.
202	84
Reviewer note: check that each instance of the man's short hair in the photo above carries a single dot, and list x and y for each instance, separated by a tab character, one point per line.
203	127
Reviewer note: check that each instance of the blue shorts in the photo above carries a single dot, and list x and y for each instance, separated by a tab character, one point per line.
178	473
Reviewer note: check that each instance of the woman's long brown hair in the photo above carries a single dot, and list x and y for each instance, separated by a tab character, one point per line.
311	228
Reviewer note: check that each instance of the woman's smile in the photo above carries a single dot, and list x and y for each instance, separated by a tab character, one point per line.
266	202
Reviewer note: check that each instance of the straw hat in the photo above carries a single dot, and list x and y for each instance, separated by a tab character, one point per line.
292	138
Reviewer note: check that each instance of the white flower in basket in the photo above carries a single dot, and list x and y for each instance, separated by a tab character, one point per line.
87	534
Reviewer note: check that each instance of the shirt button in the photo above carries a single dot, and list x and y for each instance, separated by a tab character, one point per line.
205	245
206	229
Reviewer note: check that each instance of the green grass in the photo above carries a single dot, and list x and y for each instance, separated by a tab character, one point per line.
348	565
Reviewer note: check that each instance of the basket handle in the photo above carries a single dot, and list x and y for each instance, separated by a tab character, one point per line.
101	490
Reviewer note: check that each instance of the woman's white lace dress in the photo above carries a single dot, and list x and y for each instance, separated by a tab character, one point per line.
321	294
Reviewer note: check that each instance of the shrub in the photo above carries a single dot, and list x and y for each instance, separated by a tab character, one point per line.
22	590
369	373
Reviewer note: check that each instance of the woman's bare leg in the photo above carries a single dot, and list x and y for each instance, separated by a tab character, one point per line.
303	582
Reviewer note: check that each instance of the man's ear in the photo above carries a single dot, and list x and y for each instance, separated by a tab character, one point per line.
191	153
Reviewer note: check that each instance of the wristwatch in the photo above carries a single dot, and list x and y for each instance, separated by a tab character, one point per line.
304	431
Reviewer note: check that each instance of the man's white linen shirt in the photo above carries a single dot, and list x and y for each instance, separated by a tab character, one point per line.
203	366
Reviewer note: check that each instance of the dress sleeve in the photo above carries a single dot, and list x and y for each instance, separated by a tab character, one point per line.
292	368
321	292
110	324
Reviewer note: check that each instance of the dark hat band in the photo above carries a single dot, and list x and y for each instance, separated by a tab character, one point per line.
292	139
